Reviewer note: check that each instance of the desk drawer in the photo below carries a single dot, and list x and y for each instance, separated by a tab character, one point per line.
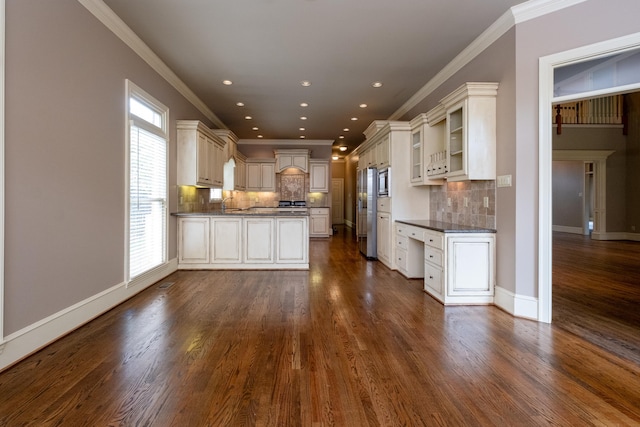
432	255
402	242
401	260
411	232
434	239
432	279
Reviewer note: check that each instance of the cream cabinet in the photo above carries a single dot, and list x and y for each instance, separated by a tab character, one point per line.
200	155
193	240
383	152
318	176
409	251
261	175
383	225
240	172
468	117
286	159
291	240
226	240
319	222
428	160
259	239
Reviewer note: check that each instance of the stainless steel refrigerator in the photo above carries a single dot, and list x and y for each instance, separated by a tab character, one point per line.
366	219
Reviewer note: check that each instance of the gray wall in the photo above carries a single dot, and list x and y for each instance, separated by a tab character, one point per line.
633	162
65	156
568	181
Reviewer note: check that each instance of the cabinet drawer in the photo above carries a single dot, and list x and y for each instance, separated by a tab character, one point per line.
402	242
384	204
433	239
411	232
319	211
401	259
432	279
432	255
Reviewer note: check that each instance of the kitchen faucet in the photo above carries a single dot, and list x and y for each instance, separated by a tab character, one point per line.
224	200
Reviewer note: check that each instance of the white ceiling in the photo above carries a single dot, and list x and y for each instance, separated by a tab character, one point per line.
267	47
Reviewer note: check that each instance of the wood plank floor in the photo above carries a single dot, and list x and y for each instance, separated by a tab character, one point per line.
596	292
348	343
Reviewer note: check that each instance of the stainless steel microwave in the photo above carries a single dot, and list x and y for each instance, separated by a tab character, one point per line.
384	182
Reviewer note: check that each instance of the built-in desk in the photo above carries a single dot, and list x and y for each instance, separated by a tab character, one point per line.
457	262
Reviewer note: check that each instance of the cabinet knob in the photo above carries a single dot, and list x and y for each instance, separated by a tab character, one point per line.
430	256
430	277
431	240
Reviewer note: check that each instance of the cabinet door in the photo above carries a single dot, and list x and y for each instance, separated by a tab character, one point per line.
254	176
456	140
258	233
383	152
319	222
268	176
292	240
469	266
193	240
203	155
240	175
416	156
217	174
226	240
384	238
319	177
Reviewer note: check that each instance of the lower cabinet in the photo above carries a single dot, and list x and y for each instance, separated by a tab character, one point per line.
319	222
243	242
193	240
384	238
458	268
226	240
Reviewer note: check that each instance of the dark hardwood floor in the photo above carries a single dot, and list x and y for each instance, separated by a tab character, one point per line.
348	343
596	292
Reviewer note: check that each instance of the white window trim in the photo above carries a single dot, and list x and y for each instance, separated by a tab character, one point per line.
133	90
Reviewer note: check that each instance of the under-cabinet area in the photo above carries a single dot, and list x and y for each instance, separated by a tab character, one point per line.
243	241
456	262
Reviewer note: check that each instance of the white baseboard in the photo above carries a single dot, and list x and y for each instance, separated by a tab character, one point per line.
567	229
616	235
349	224
516	305
34	337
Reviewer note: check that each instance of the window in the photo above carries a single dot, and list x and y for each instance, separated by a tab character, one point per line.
147	183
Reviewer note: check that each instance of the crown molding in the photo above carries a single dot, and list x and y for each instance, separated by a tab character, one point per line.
287	142
118	27
517	14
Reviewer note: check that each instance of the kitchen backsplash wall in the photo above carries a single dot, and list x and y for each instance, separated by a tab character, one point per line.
194	199
474	214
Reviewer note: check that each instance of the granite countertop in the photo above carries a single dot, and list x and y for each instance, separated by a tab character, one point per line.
246	212
444	227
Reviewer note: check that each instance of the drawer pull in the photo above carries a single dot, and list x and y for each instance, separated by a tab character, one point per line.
413	234
430	240
430	256
431	277
399	243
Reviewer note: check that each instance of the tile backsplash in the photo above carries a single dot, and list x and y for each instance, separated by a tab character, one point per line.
447	203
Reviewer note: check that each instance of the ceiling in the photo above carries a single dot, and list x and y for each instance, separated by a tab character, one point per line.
267	48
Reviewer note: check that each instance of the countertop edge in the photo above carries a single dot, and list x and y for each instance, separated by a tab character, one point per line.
444	227
240	214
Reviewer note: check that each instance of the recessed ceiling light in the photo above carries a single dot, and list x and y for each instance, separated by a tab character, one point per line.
346	129
227	82
335	157
343	148
354	118
341	137
240	104
302	129
302	137
259	136
304	104
363	105
303	118
248	117
305	83
255	128
376	84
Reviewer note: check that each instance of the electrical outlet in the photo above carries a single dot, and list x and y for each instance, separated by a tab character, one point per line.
448	201
504	181
485	202
466	202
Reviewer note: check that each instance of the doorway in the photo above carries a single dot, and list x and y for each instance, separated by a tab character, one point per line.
337	201
550	93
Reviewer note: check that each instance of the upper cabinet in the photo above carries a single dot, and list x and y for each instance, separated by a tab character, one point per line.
428	162
286	159
261	175
200	155
469	118
318	176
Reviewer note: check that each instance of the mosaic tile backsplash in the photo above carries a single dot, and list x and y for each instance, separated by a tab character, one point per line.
474	214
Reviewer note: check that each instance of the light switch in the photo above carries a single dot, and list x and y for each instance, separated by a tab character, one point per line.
504	181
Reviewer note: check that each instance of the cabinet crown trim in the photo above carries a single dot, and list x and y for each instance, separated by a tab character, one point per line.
470	89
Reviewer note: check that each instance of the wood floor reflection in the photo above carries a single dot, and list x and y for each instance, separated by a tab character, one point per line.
348	343
596	292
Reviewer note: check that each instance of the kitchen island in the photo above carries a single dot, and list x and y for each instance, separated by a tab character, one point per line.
457	262
244	239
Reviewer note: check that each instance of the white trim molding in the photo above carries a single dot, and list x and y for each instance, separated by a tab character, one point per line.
287	142
27	341
2	161
517	14
118	27
547	65
516	305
